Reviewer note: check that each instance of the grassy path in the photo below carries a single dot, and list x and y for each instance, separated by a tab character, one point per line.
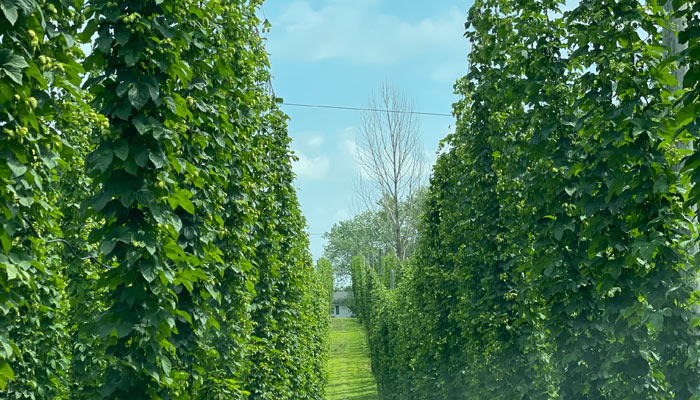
350	375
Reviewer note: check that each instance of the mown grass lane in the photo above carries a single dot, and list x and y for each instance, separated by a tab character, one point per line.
350	374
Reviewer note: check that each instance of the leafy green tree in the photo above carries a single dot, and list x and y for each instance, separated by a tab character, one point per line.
365	234
370	235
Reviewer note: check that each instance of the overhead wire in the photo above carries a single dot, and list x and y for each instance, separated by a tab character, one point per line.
284	103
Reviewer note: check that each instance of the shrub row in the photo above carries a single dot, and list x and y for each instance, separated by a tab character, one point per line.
558	249
152	244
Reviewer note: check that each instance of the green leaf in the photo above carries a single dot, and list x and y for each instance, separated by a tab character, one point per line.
99	201
173	202
173	251
122	35
184	315
138	96
167	367
11	8
695	322
140	124
107	246
661	185
12	65
131	167
5	240
16	168
170	102
122	87
103	158
181	106
123	110
26	201
11	270
250	286
104	43
157	158
686	115
11	15
175	221
656	320
124	328
121	149
569	120
643	249
131	58
90	28
141	156
34	72
7	350
665	77
558	231
211	322
148	271
6	370
153	88
184	201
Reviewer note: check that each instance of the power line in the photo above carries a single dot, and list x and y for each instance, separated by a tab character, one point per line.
365	109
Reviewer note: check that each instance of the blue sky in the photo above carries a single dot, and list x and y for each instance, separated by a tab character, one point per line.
337	52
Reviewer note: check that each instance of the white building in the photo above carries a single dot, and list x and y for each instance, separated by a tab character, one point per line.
340	305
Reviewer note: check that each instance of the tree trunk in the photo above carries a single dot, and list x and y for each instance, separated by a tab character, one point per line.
397	232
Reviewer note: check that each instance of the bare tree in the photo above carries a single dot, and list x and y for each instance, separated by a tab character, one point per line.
391	159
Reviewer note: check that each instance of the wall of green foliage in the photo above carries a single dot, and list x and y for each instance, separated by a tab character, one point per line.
557	252
325	269
152	244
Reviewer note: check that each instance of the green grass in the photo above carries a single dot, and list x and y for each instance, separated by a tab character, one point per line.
350	374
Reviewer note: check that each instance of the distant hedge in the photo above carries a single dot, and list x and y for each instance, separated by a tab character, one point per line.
151	241
558	249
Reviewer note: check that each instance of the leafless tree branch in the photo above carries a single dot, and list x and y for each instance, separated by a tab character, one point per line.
390	156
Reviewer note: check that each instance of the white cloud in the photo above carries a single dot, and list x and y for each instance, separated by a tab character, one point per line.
315	168
350	146
451	70
315	141
429	159
348	143
358	32
356	153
